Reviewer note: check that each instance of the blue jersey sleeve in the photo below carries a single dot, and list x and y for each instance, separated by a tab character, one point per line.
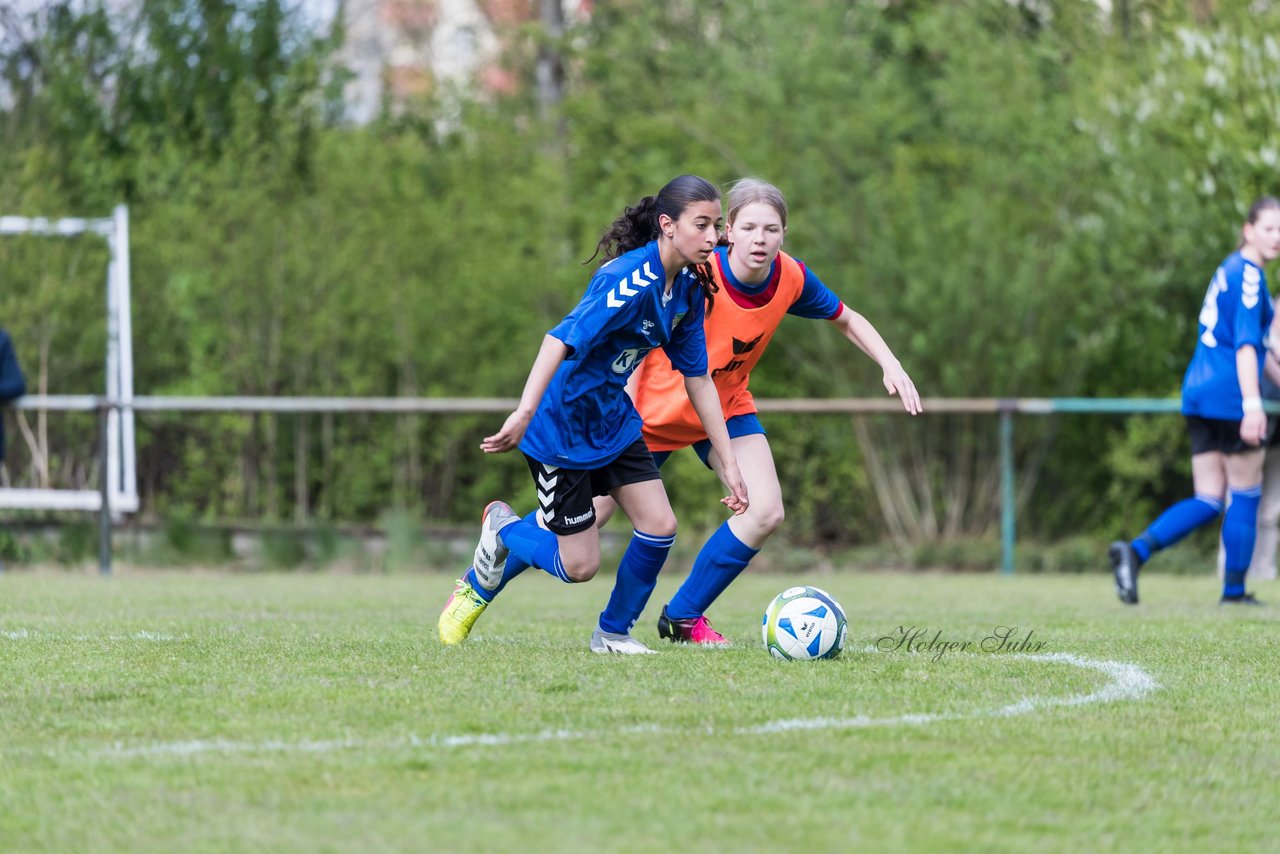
817	301
687	348
1244	281
590	321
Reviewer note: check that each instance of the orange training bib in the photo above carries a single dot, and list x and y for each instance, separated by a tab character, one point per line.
736	339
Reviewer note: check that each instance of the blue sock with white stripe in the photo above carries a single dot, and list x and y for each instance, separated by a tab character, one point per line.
1239	530
1176	522
637	576
535	546
722	559
515	566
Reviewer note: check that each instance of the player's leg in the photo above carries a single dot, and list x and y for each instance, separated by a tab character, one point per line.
605	507
570	558
471	593
634	484
471	596
1239	528
560	539
765	514
1208	472
730	548
1263	565
511	568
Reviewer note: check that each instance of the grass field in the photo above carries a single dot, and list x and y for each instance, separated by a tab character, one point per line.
221	712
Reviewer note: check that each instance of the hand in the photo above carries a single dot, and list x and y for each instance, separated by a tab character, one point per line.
508	437
1253	428
732	480
897	382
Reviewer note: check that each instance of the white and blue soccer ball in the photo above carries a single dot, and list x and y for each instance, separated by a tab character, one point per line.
803	623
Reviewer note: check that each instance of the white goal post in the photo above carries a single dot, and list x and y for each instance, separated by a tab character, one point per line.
120	446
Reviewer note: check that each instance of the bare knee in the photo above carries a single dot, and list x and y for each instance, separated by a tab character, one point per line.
582	569
654	522
662	525
763	519
771	518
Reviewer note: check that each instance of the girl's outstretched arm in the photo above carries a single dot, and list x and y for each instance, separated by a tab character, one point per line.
860	331
550	355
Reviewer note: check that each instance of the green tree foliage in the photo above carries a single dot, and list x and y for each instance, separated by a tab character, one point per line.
1027	199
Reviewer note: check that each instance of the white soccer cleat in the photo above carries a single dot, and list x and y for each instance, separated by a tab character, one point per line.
606	642
490	558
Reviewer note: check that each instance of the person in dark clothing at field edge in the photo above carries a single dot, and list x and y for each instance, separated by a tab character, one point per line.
12	383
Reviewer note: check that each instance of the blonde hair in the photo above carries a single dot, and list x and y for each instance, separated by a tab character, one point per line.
748	191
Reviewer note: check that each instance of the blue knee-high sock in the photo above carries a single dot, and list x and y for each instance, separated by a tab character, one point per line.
722	559
535	546
637	576
1238	532
515	565
1175	523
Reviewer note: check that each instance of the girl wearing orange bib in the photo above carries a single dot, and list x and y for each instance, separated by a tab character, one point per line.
759	285
737	336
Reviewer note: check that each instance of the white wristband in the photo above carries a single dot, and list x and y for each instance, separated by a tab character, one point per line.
1252	404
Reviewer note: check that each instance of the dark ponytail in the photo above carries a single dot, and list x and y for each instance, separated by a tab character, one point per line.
638	224
707	281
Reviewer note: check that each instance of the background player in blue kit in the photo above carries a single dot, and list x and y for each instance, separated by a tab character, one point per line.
580	432
1223	406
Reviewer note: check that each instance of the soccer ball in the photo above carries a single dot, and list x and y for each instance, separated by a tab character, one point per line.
802	623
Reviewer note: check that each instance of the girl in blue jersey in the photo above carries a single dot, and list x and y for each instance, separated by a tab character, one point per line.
580	432
758	286
1223	407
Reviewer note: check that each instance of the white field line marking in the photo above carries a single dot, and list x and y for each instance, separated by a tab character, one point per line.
497	739
23	634
1127	682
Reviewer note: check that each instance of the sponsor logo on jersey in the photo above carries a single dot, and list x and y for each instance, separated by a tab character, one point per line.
739	348
628	359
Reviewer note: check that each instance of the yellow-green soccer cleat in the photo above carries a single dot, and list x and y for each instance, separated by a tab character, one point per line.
460	613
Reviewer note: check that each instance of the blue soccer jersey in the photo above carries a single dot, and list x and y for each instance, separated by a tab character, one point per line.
585	418
1237	311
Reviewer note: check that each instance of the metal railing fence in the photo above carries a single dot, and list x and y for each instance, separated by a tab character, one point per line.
1005	408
